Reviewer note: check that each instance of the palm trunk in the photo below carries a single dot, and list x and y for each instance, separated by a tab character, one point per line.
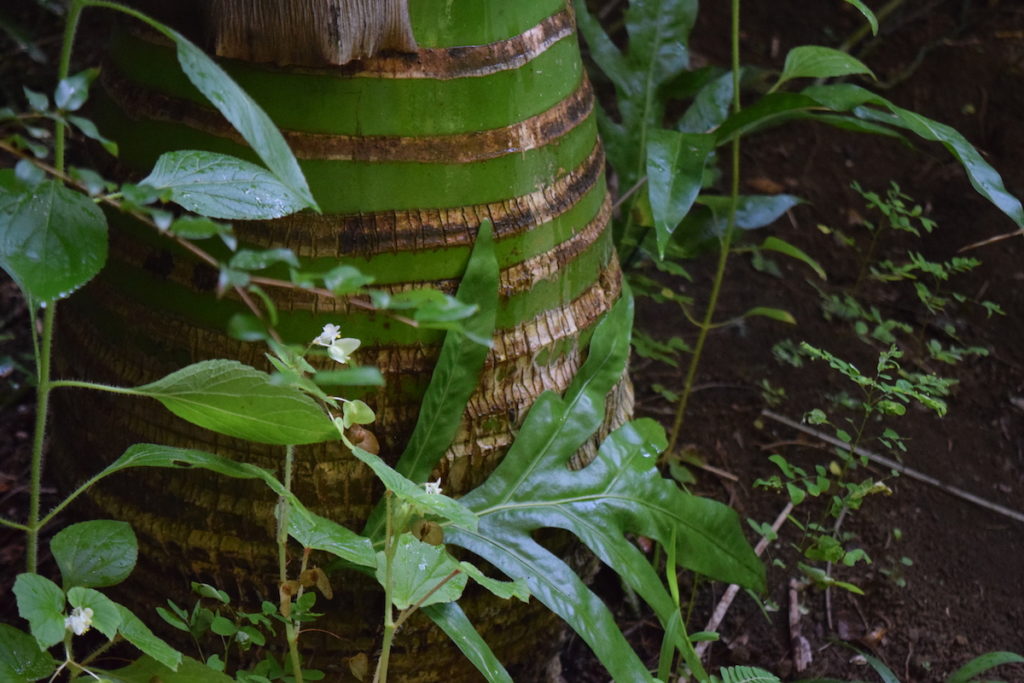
490	117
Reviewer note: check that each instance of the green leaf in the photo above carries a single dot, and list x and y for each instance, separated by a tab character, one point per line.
95	554
868	14
784	247
198	227
222	626
619	492
139	635
242	111
984	178
235	399
222	186
52	240
308	528
710	106
452	620
73	91
413	493
812	61
41	602
602	49
251	259
773	313
458	367
21	660
148	670
747	674
457	371
89	130
417	569
106	618
313	531
658	33
503	589
980	665
675	171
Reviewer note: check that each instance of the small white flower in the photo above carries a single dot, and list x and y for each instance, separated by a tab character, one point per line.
328	335
79	621
433	486
242	637
341	349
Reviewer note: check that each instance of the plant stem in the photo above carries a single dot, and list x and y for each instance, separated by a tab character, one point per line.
45	345
64	67
39	438
283	509
726	243
381	674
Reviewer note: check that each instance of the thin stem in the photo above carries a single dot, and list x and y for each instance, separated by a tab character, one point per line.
42	404
64	67
81	384
381	674
284	508
726	242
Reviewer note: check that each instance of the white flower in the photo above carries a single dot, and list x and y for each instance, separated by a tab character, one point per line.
328	335
433	486
341	349
79	621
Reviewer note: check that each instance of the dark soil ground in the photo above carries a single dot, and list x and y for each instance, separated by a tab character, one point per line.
958	62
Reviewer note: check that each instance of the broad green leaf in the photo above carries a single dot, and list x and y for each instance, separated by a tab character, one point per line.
753	211
138	634
784	247
41	603
452	620
813	61
868	14
675	170
503	589
313	531
106	618
419	568
222	186
554	430
149	669
658	33
242	111
95	554
773	313
457	371
710	106
21	659
234	399
52	240
308	528
984	178
602	50
413	493
458	366
73	91
619	492
980	665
